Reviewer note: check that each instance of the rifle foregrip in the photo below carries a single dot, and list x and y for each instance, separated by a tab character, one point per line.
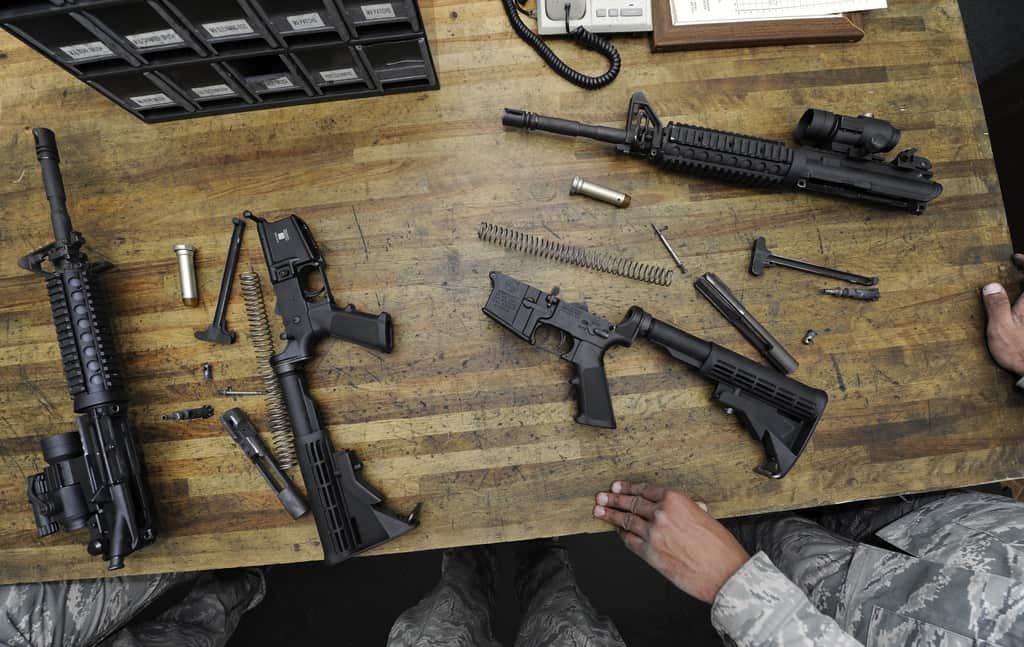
371	331
82	318
727	156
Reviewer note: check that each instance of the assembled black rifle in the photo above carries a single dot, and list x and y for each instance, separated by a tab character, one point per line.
94	477
346	509
777	410
840	155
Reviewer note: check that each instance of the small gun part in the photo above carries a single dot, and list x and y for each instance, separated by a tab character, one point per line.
229	392
860	294
672	252
596	260
187	274
204	411
207	372
597	192
809	337
717	292
218	332
763	258
262	339
242	431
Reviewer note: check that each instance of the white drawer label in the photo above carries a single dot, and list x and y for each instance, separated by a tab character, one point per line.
278	83
378	11
303	21
152	100
207	91
227	28
343	74
82	51
155	38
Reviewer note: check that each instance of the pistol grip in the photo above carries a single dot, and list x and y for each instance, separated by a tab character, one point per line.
371	331
593	399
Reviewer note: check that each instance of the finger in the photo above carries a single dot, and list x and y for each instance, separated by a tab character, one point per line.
1018	308
625	520
997	304
635	504
633	542
650	492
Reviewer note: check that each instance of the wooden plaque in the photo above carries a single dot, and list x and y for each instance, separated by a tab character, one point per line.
667	37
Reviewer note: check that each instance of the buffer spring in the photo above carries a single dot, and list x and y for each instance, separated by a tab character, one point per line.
590	259
263	343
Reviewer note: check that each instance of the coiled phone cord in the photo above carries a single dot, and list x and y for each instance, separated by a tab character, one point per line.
583	37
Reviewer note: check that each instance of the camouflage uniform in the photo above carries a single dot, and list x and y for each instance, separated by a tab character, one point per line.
457	612
203	610
959	581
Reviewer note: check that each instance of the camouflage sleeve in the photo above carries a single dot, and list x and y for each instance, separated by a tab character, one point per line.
981	532
759	607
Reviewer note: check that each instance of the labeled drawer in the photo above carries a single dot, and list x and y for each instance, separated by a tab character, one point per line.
302	22
330	68
72	40
147	29
373	19
273	74
226	26
400	64
207	84
144	93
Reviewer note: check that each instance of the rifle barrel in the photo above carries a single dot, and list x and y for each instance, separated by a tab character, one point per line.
53	183
532	121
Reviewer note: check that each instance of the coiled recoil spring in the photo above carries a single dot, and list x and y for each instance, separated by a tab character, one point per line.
590	259
263	343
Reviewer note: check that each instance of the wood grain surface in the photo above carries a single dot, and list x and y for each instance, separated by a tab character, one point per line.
464	416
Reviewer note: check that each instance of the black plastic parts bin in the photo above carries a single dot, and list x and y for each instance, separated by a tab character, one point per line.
172	59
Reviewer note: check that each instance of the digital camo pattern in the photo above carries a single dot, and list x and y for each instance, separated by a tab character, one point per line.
978	531
760	606
961	585
813	558
457	612
923	598
95	612
556	613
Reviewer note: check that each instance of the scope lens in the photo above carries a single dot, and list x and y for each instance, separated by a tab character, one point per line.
61	447
817	126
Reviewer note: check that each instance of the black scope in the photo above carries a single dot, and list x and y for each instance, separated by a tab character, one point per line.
855	136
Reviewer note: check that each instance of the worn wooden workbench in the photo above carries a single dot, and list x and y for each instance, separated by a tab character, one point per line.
463	416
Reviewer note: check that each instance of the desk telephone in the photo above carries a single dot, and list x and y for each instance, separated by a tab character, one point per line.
599	16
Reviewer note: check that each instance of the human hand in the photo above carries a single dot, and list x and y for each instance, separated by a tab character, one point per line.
1005	325
674	534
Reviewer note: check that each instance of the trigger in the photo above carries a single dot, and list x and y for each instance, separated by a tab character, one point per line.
562	348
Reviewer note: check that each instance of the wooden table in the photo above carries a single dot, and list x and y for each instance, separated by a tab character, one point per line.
463	416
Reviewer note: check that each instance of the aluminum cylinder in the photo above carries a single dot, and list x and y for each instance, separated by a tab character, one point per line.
598	192
187	274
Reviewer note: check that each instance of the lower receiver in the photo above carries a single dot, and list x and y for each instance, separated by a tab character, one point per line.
349	514
777	410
